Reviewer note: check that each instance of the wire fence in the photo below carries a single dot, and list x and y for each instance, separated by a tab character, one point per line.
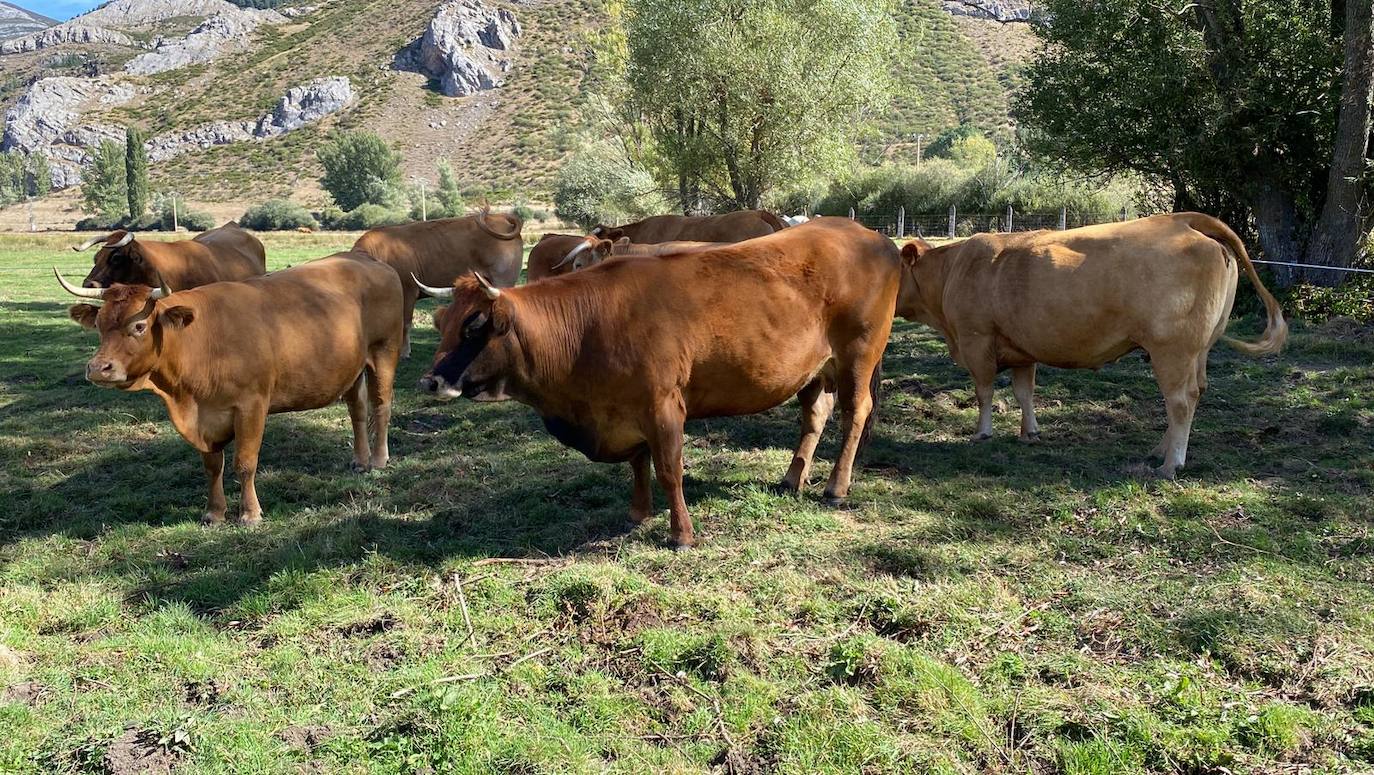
954	223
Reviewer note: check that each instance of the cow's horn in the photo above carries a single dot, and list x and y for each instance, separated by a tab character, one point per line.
161	291
88	243
126	239
438	293
573	253
85	293
490	290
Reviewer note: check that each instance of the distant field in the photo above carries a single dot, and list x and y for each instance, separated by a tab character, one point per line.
985	607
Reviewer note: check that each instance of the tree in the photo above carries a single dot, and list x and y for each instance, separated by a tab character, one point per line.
599	185
448	195
135	173
37	175
741	97
103	192
360	168
1258	109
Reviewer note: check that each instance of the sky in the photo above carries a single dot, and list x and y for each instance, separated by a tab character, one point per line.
60	10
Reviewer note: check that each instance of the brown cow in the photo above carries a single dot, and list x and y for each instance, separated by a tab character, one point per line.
224	356
729	227
226	253
615	365
1082	298
439	251
550	257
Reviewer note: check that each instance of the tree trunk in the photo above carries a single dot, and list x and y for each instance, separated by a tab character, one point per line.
1336	239
1282	236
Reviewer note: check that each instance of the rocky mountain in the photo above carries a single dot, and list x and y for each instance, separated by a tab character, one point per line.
16	21
235	100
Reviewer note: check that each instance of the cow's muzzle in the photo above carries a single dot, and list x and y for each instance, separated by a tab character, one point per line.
105	373
438	386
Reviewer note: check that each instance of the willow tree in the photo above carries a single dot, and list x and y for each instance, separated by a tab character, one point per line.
742	97
1251	109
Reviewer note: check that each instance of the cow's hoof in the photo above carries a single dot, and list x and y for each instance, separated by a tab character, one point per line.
679	546
637	519
836	501
250	520
378	463
1030	438
210	519
1164	472
783	488
977	437
358	468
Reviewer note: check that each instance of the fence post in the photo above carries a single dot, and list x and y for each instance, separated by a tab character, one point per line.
1123	212
901	221
1063	218
1009	218
953	216
851	213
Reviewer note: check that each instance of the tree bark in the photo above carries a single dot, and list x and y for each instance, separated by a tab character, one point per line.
1281	233
1336	238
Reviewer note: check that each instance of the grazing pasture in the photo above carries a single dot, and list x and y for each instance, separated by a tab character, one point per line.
981	607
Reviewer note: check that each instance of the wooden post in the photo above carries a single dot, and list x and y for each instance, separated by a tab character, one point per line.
953	216
851	213
901	221
174	212
1063	218
1123	212
1008	218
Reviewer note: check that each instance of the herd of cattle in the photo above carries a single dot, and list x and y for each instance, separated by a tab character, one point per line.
622	335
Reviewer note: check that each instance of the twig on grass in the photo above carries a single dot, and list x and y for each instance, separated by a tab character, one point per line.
448	679
463	601
1233	543
519	561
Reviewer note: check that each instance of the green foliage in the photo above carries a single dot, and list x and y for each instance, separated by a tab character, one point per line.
448	195
190	220
23	176
599	185
104	186
278	215
360	168
369	216
742	98
135	172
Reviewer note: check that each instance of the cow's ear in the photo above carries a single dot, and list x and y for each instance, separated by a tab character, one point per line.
439	313
603	248
913	250
178	316
84	314
502	316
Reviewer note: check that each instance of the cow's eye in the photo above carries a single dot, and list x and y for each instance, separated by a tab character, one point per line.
473	325
139	327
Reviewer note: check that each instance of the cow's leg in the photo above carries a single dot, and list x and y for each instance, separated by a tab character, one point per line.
817	402
381	379
357	413
665	444
249	423
856	404
642	499
1177	377
409	317
214	474
1023	384
981	362
1202	372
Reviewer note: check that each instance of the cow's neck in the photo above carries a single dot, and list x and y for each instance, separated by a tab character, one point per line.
550	335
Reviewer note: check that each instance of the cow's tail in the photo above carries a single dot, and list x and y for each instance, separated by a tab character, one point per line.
772	220
482	224
875	392
1276	330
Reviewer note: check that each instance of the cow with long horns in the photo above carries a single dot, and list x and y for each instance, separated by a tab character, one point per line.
223	356
615	365
438	251
226	253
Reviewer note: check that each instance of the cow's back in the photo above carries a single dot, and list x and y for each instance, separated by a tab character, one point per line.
546	254
1082	297
728	227
235	253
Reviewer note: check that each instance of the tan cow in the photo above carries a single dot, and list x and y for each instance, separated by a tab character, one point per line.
617	357
727	227
225	355
226	253
439	251
552	255
1082	298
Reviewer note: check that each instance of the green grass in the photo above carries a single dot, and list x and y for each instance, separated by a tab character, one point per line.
990	607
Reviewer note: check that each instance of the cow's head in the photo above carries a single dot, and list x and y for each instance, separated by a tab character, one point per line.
910	303
119	259
575	256
133	323
599	251
612	233
476	348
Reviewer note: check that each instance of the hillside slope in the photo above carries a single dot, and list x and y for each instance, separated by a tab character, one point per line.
510	139
16	21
